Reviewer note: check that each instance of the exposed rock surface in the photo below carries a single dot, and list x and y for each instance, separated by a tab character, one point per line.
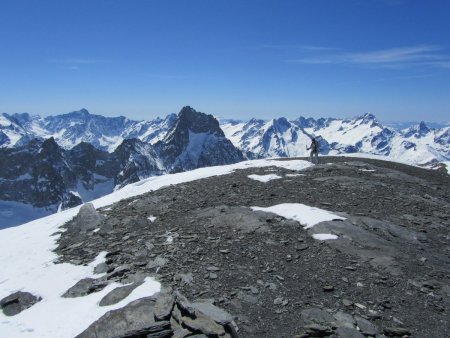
387	273
169	315
17	302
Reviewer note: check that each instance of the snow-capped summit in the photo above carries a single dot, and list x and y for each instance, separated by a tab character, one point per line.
417	131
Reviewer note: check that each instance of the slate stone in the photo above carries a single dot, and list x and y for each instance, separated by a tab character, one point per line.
181	333
218	315
347	332
316	330
118	294
85	287
366	327
203	324
396	331
343	319
137	315
316	315
184	305
163	306
17	302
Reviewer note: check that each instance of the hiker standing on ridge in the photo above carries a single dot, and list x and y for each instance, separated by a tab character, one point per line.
314	151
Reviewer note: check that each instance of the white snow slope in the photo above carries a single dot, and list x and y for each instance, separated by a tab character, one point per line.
27	263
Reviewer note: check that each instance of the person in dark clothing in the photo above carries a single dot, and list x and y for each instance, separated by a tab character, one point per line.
314	151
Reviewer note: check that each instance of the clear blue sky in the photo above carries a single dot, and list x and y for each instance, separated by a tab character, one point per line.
240	59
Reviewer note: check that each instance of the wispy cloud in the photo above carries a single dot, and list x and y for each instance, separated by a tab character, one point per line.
77	63
401	57
300	47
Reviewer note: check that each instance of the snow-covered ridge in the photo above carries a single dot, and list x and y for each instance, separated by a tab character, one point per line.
105	133
279	137
417	144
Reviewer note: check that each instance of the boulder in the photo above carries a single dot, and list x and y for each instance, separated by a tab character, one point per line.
17	302
87	218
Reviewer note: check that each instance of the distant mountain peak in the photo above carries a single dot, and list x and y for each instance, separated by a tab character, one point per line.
197	122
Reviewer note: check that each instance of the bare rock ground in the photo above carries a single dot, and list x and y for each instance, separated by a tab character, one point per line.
387	274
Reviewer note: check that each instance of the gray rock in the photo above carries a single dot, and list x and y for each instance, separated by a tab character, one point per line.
17	302
218	315
343	319
119	271
184	305
85	287
157	262
184	278
137	315
203	324
396	331
181	333
163	306
119	293
317	316
366	327
316	330
101	268
347	332
87	218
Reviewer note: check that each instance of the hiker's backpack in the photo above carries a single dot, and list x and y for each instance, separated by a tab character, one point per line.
316	145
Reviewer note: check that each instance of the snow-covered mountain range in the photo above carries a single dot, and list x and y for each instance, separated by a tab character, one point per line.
418	144
68	130
55	162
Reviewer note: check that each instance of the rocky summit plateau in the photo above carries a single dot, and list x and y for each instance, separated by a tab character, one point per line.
350	247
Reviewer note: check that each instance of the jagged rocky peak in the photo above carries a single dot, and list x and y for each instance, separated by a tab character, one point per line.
418	130
369	118
196	140
281	124
198	122
83	113
50	148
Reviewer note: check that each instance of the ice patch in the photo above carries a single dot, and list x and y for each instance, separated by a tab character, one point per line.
264	178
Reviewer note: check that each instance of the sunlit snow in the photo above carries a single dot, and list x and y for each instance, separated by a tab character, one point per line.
324	237
264	178
304	214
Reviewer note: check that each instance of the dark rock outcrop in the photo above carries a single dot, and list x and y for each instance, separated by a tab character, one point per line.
17	302
167	316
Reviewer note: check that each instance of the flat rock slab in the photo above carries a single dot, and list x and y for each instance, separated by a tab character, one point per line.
164	305
118	294
85	287
17	302
137	315
218	315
